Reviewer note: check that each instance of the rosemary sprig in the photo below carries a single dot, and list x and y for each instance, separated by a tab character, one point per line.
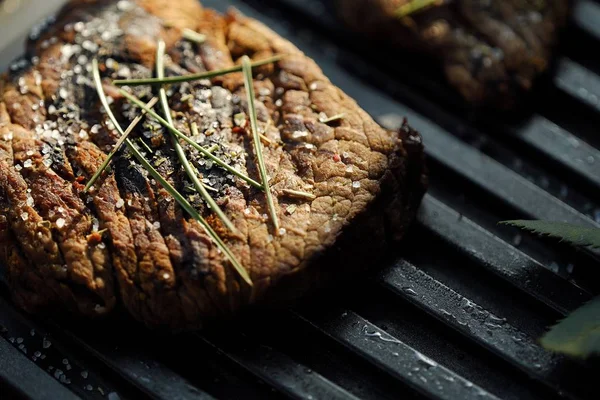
163	182
192	77
416	5
248	82
117	146
193	36
191	173
195	145
332	118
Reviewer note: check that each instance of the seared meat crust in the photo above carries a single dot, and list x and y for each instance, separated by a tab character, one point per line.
127	243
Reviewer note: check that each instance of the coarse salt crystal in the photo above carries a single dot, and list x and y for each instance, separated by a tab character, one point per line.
120	203
30	152
282	231
28	164
124	5
166	276
25	216
60	223
89	46
156	225
299	134
356	184
63	93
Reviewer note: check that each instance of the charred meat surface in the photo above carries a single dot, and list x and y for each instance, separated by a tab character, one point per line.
490	50
127	243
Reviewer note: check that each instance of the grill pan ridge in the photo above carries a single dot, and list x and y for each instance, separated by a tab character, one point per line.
453	314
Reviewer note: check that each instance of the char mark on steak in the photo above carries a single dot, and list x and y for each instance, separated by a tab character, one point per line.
127	243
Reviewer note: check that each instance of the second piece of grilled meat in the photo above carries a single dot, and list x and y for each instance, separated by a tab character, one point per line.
490	50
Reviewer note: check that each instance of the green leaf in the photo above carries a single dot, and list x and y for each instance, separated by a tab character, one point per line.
570	233
578	335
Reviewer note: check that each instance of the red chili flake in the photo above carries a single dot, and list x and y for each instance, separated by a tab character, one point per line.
337	158
80	178
239	130
94	238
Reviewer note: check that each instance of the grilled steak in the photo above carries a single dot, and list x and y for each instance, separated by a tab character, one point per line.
127	243
491	51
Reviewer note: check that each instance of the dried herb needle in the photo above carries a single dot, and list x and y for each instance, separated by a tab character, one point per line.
189	170
193	36
248	82
192	77
163	182
212	148
146	147
416	5
298	194
332	118
195	145
118	145
196	132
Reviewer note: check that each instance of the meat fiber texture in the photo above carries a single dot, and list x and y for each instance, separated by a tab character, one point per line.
491	51
127	244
